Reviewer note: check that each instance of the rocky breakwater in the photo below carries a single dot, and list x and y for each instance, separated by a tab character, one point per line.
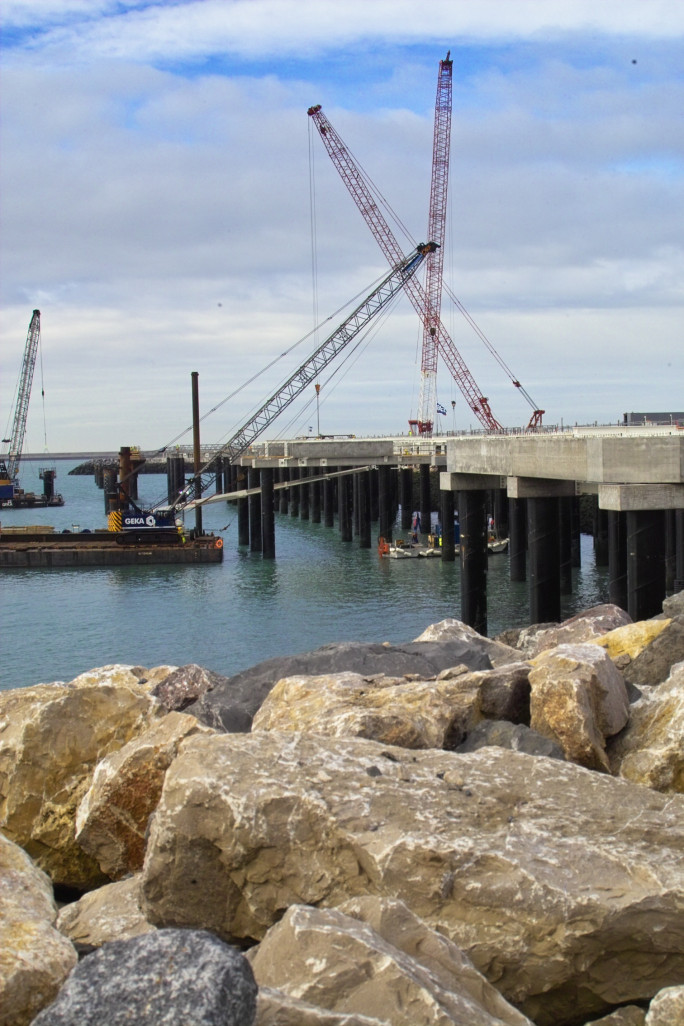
452	831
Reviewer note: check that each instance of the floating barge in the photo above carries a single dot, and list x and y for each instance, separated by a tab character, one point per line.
40	547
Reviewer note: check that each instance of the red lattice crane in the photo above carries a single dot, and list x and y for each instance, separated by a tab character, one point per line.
427	402
363	197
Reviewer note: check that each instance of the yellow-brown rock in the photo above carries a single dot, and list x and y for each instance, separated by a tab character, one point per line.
578	698
564	887
631	639
412	714
341	963
111	912
35	958
650	750
111	821
51	738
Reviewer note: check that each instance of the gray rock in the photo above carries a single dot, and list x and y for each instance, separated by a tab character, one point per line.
674	604
653	664
166	978
514	736
185	685
232	704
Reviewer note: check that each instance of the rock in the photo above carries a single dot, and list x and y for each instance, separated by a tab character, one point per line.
51	738
150	677
628	1015
454	630
626	643
517	737
652	665
504	692
111	912
563	887
184	685
578	699
667	1008
111	821
275	1008
585	626
34	958
673	605
650	750
231	706
343	964
524	638
411	714
174	977
117	674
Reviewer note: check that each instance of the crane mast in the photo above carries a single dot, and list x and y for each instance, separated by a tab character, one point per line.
362	196
16	439
400	276
427	402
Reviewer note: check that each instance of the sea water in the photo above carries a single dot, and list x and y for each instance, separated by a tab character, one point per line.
57	623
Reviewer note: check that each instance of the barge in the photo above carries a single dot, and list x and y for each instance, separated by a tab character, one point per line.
40	547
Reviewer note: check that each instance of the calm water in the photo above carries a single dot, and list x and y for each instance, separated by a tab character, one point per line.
58	623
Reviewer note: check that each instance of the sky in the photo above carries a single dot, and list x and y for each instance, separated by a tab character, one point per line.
169	207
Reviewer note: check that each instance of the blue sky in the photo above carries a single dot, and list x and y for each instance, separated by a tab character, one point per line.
157	163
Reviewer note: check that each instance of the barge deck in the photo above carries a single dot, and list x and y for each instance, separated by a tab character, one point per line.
45	549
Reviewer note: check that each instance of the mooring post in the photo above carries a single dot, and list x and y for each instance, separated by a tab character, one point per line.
384	511
267	514
343	508
645	563
243	507
406	497
544	553
448	534
197	456
517	539
617	559
363	495
472	508
565	543
425	504
304	494
294	491
679	551
253	481
328	500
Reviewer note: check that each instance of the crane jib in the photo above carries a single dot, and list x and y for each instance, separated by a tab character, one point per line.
401	273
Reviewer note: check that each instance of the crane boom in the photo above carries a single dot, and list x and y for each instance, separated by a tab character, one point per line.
362	196
16	439
427	401
401	274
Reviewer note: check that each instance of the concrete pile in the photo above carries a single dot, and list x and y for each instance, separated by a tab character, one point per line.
452	831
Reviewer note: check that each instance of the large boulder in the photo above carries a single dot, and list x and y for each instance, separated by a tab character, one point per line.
111	912
650	750
111	820
454	630
276	1008
51	738
412	714
175	977
564	887
667	1008
394	969
578	699
653	664
34	958
585	626
230	706
184	685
